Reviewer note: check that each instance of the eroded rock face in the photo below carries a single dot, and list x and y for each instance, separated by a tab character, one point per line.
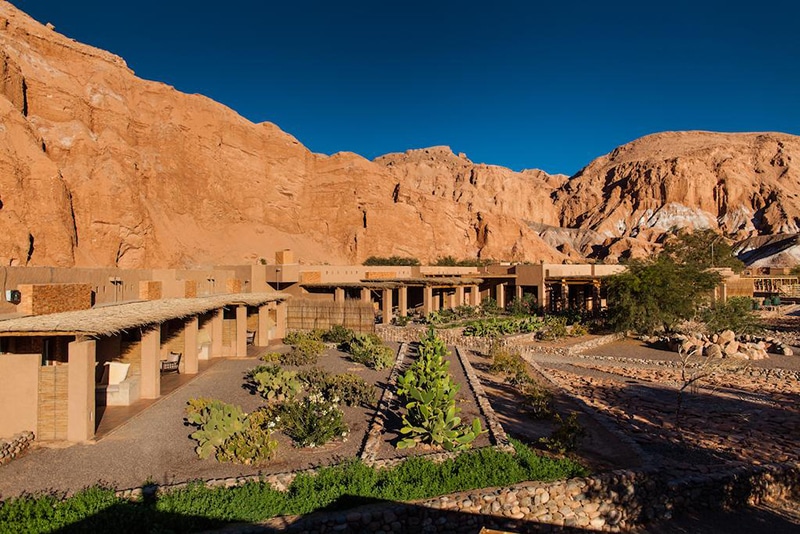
740	184
101	168
159	178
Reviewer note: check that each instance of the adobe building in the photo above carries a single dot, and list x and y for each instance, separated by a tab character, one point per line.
64	362
399	290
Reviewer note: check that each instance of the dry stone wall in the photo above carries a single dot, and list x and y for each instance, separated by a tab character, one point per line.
19	443
611	502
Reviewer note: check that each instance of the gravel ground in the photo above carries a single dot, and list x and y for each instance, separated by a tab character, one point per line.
155	444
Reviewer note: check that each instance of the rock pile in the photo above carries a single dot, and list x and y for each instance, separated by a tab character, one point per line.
15	446
727	344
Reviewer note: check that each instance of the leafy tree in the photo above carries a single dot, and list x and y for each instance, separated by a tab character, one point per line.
657	294
391	260
736	314
703	248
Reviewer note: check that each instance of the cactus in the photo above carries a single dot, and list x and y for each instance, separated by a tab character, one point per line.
218	421
430	395
274	383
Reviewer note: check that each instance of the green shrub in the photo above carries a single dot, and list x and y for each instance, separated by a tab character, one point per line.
554	328
338	334
271	357
274	383
508	364
254	444
314	378
351	389
403	261
312	421
736	314
578	330
538	401
489	307
497	327
567	435
295	336
401	320
429	395
369	350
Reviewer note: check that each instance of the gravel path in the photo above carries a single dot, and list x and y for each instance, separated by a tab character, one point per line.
154	445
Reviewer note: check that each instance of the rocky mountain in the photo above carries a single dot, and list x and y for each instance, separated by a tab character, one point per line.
739	184
101	168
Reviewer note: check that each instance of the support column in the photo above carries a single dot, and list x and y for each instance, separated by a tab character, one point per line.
501	295
541	297
280	320
338	294
151	363
190	354
427	300
216	333
402	301
518	293
387	306
564	295
241	331
80	391
262	334
365	294
459	296
474	296
436	302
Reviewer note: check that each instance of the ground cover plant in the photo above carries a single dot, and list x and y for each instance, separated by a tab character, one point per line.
198	507
225	432
302	404
369	350
429	396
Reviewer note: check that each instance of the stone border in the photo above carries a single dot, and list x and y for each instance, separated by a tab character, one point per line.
496	431
16	445
611	502
372	443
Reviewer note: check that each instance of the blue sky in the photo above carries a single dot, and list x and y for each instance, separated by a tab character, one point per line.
513	83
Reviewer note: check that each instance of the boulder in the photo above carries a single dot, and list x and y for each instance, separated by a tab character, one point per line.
731	348
714	351
726	337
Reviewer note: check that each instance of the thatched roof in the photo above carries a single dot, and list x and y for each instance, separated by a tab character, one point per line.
368	284
436	281
109	320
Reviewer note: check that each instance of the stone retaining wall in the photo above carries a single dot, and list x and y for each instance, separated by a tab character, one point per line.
612	502
11	448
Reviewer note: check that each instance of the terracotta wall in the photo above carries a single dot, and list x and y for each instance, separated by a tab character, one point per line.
20	389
